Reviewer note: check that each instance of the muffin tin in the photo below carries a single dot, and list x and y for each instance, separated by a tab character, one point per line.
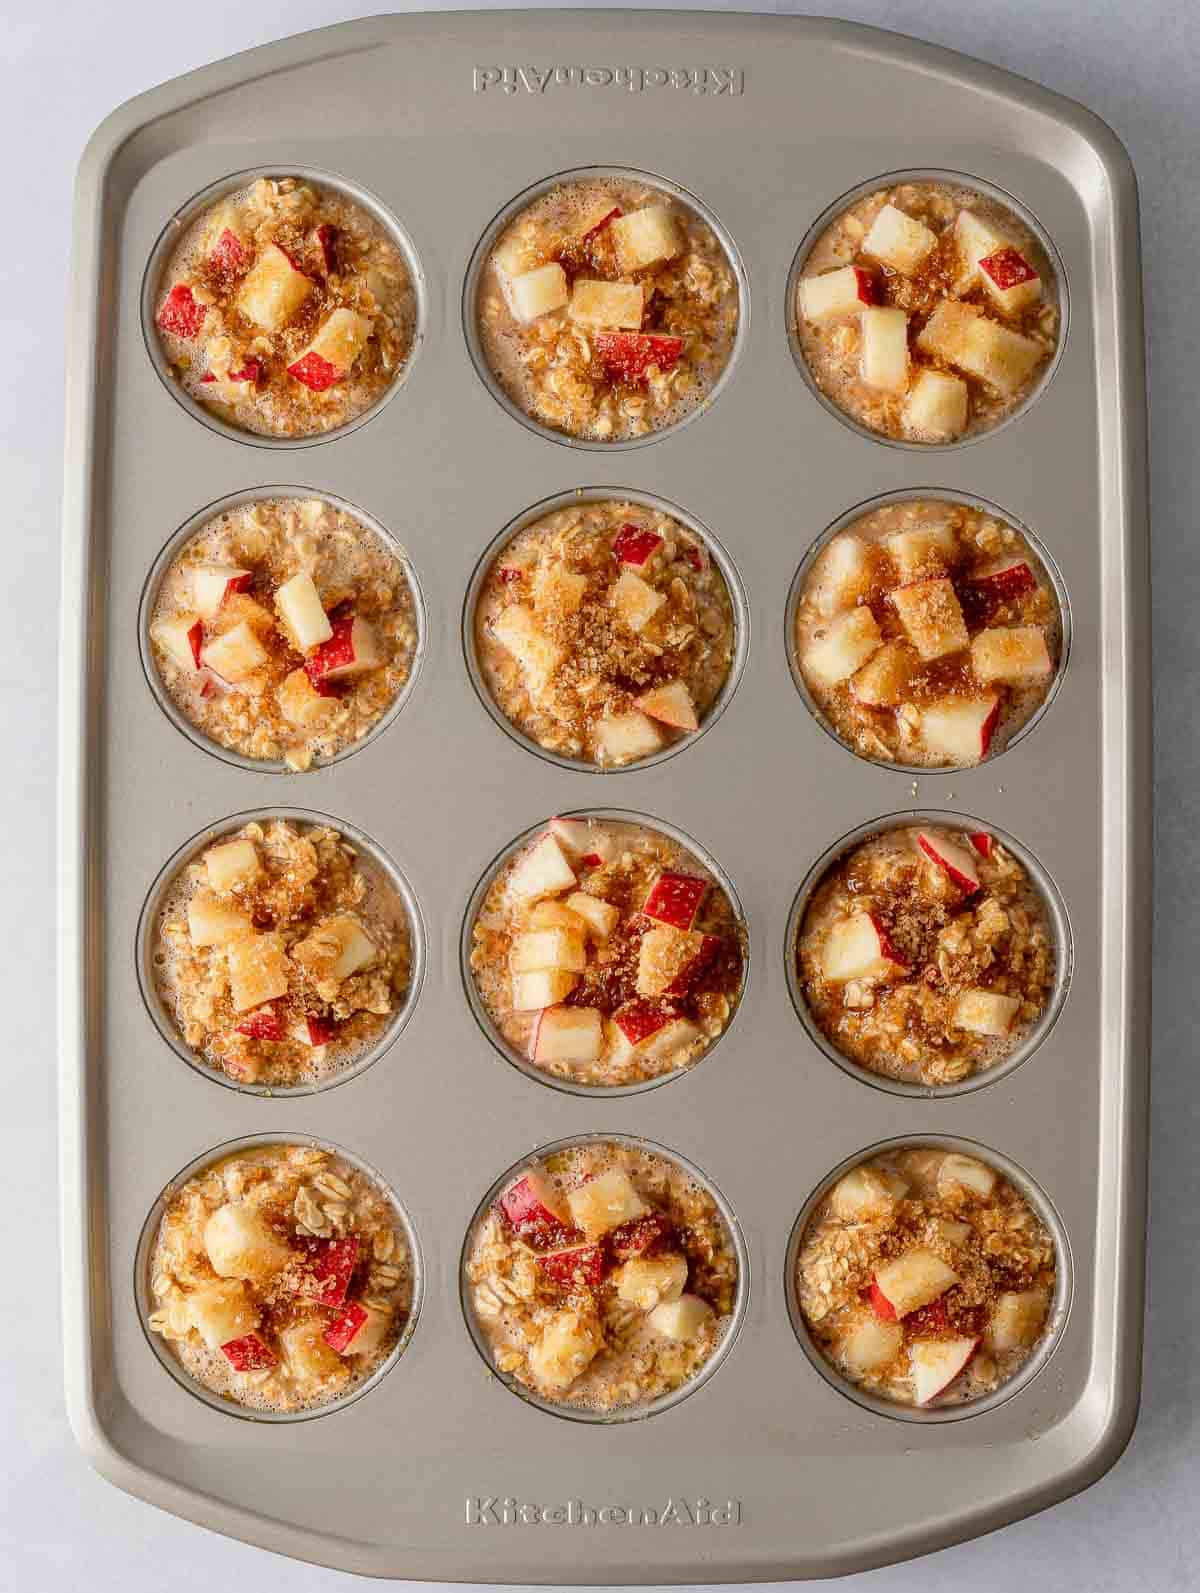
438	1472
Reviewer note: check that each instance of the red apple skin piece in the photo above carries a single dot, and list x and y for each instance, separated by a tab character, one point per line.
1007	267
633	545
320	1030
179	313
262	1024
1012	580
675	899
640	1237
333	1267
315	373
605	221
251	371
196	641
506	574
336	653
982	842
533	1221
868	288
579	1266
228	254
988	730
880	1304
342	1332
628	356
710	950
327	238
967	883
639	1019
248	1354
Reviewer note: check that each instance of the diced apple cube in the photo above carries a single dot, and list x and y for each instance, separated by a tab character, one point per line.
240	1243
549	914
884	678
605	1202
352	649
542	871
960	729
682	1319
635	600
212	922
858	947
931	614
222	1311
664	955
369	1334
543	987
232	863
871	1345
1017	1320
181	314
558	592
249	1354
1015	654
953	1234
898	240
849	641
675	898
670	1041
212	583
646	236
616	305
885	349
548	948
925	550
258	970
914	1279
837	293
533	1206
647	1281
302	612
339	342
181	638
953	860
273	290
1010	280
1009	579
985	1012
584	839
861	1195
842	574
336	948
936	407
235	654
343	1330
634	544
568	1034
976	239
569	1344
623	737
229	247
518	633
301	704
936	1363
671	705
601	917
965	1172
1002	358
947	332
539	292
308	1357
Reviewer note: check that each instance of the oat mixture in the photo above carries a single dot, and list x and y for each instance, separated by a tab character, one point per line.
286	309
926	954
608	309
928	633
606	953
927	312
604	1276
605	632
281	953
282	1278
284	630
926	1278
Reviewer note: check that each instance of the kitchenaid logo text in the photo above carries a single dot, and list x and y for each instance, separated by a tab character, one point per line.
711	80
681	1512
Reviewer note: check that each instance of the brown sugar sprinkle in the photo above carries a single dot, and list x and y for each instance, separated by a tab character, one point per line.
970	355
338	289
926	954
266	1280
579	970
928	633
281	954
615	1289
926	1277
605	632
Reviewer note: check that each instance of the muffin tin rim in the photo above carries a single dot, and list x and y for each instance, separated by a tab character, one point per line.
187	852
144	1305
618	1415
1053	1330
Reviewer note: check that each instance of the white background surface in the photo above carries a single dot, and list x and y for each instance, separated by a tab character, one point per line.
63	65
